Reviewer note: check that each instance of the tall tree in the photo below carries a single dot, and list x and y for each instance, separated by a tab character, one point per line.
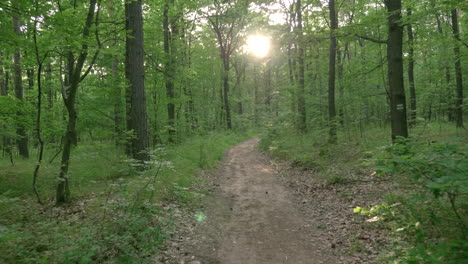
22	140
74	77
169	71
302	121
116	88
135	75
458	70
411	82
332	73
226	22
395	70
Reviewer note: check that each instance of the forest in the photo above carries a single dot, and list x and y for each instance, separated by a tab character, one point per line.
176	131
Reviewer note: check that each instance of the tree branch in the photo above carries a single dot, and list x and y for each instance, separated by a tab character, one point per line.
372	39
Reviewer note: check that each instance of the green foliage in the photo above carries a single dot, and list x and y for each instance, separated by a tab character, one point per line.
429	222
121	215
333	163
442	168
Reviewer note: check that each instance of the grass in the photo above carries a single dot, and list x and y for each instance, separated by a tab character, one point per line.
117	215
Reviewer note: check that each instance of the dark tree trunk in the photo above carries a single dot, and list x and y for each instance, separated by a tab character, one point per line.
411	73
302	122
458	71
332	74
135	75
40	63
69	98
227	107
190	105
395	70
22	140
341	84
169	75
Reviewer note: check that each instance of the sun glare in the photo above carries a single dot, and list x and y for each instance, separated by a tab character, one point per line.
258	45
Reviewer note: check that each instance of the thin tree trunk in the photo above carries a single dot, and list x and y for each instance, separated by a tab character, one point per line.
69	98
169	75
22	140
256	96
302	122
227	107
450	109
395	70
458	71
40	63
411	73
135	74
332	74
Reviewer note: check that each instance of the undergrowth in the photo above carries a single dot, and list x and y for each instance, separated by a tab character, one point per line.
118	214
427	209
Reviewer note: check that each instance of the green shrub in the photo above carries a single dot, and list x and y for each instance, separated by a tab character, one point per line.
429	213
118	213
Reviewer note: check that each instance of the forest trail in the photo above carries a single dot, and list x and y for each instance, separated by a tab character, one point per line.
253	218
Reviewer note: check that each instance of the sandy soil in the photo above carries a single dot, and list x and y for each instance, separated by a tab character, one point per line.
254	216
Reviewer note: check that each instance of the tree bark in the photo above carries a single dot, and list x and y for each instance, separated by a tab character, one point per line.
69	98
22	141
227	107
395	70
135	75
302	120
458	71
332	74
169	75
411	72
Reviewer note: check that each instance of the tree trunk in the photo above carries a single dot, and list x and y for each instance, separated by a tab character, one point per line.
411	73
292	84
331	74
169	75
302	122
227	107
256	96
22	140
135	75
395	70
69	98
458	71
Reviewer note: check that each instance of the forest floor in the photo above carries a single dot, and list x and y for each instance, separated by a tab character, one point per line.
263	211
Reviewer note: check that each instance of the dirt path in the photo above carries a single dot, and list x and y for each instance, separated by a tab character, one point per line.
252	219
265	226
256	216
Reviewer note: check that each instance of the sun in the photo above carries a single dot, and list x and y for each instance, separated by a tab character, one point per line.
258	45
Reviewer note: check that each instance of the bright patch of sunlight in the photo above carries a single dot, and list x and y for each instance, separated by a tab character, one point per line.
200	217
258	45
